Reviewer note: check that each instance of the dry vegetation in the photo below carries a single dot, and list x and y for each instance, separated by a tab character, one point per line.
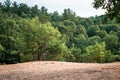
52	70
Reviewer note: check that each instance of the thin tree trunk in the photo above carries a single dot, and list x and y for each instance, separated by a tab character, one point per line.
38	56
41	56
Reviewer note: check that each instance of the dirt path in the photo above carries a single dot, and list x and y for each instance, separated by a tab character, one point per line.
51	70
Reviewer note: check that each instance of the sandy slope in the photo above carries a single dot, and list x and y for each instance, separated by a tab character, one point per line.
51	70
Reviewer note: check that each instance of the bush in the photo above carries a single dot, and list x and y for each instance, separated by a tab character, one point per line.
26	57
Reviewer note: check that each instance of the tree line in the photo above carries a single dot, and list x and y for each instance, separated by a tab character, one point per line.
29	33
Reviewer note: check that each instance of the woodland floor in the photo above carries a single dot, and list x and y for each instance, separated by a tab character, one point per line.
53	70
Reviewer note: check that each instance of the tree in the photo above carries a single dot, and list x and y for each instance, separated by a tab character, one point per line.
92	30
81	30
112	7
7	6
14	8
54	17
76	54
9	53
102	33
80	41
23	10
39	37
7	3
57	50
8	33
86	22
93	40
68	14
110	27
44	11
112	42
35	11
97	53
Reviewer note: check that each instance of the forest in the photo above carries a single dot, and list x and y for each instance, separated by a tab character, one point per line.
32	34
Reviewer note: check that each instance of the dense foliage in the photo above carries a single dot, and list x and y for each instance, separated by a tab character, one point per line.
28	33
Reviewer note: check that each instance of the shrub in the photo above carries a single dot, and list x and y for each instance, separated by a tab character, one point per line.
8	57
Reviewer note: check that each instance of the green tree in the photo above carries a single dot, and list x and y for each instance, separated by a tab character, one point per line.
8	33
38	37
81	30
14	8
97	53
93	40
54	17
110	27
7	6
35	11
44	11
86	22
23	10
92	30
68	14
112	42
57	50
76	54
102	33
68	28
80	41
